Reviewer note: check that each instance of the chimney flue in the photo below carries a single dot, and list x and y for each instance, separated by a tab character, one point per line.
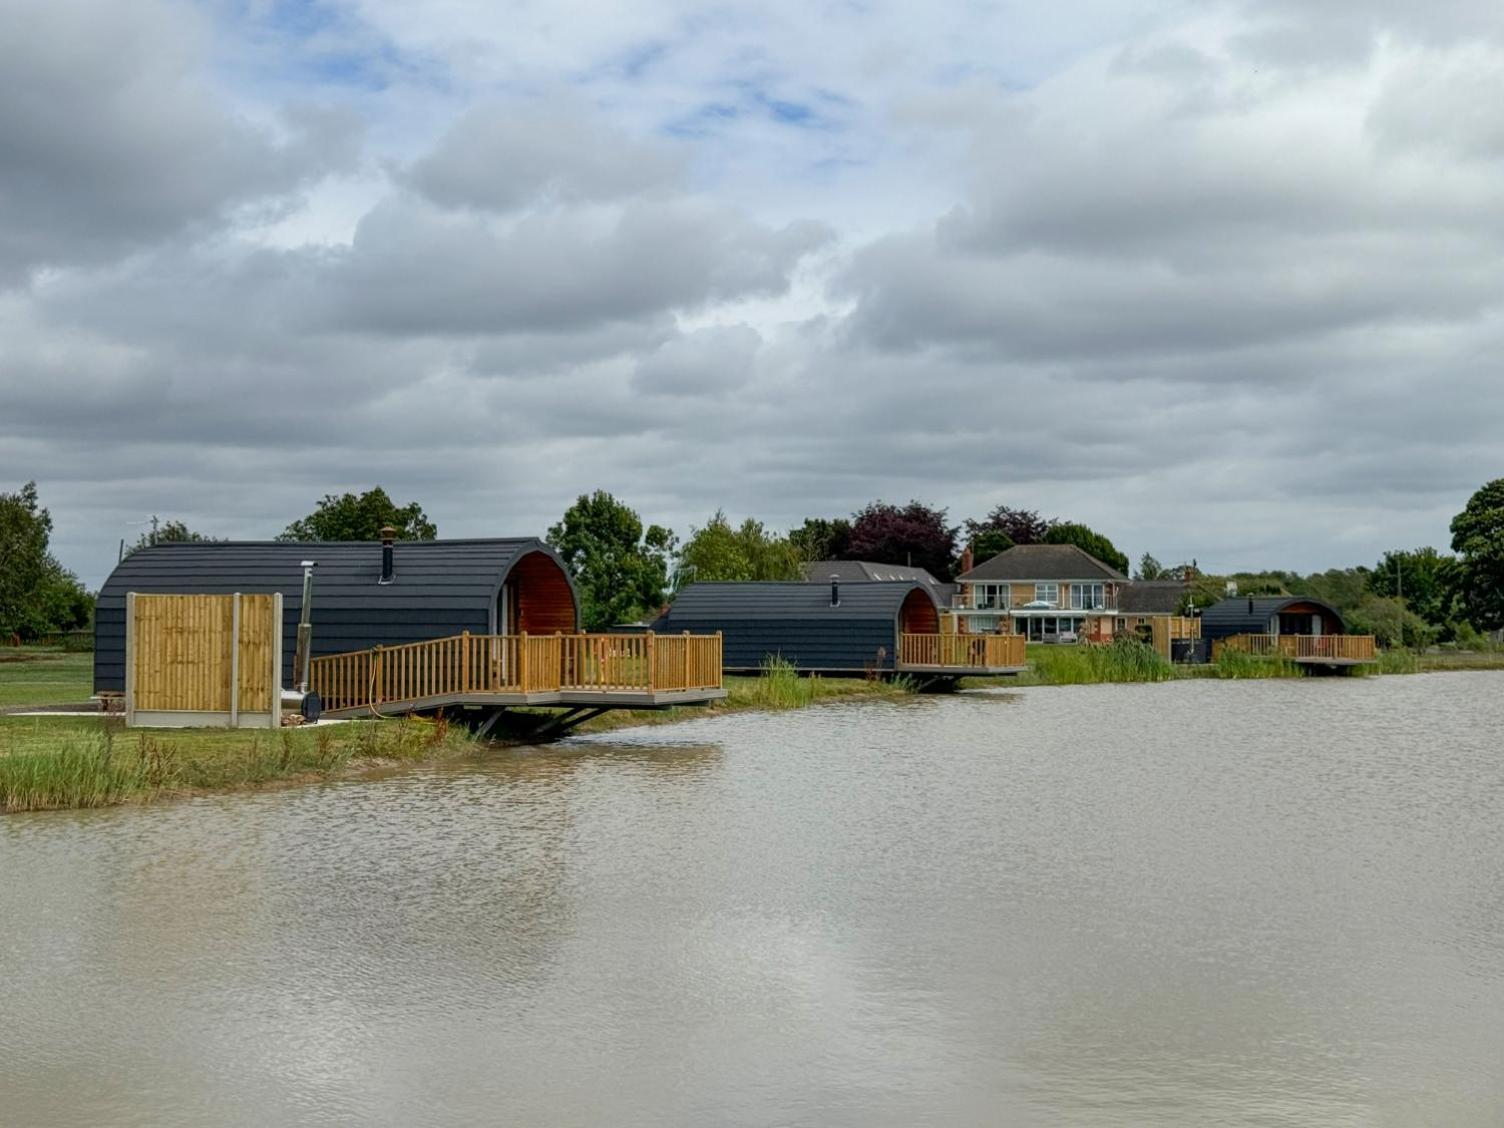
388	534
835	591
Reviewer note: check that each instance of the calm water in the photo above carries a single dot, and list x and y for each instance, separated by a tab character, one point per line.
1191	904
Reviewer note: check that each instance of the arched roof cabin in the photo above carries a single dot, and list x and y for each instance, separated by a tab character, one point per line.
436	589
846	628
1271	615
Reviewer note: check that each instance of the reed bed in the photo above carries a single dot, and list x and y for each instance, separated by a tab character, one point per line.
1239	664
1122	660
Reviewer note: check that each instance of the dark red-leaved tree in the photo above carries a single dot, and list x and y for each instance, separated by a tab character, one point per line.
1021	526
911	534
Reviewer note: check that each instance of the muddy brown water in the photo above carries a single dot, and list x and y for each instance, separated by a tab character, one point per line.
1199	903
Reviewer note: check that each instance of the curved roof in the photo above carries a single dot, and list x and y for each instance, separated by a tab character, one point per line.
448	571
1244	614
772	600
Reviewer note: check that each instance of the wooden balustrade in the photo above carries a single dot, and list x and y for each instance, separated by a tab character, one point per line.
471	665
963	651
1306	648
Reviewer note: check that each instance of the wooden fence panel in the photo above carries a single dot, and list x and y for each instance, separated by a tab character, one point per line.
203	659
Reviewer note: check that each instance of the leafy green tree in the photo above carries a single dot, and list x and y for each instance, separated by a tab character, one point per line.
747	552
171	532
619	569
819	539
913	534
1150	568
1478	540
1090	541
988	543
1390	622
37	594
1424	578
348	517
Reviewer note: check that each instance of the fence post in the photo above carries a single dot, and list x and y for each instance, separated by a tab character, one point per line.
685	684
720	669
373	687
464	661
652	661
235	660
522	662
130	659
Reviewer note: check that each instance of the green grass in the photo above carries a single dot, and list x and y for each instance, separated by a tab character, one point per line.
1125	660
33	676
66	762
1238	664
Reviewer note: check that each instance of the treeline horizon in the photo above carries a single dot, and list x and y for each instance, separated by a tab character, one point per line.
625	571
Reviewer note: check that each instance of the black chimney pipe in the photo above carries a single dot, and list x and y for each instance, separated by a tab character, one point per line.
388	534
835	591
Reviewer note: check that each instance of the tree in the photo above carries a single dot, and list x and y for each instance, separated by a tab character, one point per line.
1150	568
1424	578
1020	526
988	543
620	570
37	594
914	534
749	552
172	532
346	517
1478	540
1090	541
819	539
1390	622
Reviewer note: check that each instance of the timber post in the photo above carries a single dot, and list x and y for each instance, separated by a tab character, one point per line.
464	661
522	661
652	660
685	683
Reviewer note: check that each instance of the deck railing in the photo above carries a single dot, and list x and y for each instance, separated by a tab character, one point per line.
961	650
479	664
1306	648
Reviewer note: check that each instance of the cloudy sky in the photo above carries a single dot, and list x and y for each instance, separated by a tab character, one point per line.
1224	281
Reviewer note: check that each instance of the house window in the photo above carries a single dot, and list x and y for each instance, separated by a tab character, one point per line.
983	624
1085	597
1047	593
990	597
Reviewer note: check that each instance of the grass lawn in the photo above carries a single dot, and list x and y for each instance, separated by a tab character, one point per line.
31	676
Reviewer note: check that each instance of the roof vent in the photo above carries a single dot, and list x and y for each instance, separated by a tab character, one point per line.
388	534
835	590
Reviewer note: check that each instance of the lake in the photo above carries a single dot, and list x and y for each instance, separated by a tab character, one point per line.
1260	903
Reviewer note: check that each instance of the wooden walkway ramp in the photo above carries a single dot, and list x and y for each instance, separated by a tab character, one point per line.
961	655
582	674
1306	650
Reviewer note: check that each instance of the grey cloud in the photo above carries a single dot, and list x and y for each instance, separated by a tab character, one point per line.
110	137
415	269
505	156
707	362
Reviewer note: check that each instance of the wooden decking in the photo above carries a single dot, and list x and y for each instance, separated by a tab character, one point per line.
1312	650
961	655
575	671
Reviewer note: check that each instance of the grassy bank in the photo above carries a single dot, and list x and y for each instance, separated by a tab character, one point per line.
33	676
49	763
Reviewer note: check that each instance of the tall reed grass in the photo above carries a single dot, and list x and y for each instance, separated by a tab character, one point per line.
1233	663
1122	660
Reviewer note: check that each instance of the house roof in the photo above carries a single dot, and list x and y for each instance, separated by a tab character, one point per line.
1042	562
1251	614
858	571
740	601
437	572
1151	597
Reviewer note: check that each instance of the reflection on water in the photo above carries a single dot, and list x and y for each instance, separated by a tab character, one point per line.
1202	902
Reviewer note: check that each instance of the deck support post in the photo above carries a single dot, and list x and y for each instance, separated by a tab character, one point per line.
464	661
652	660
522	661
